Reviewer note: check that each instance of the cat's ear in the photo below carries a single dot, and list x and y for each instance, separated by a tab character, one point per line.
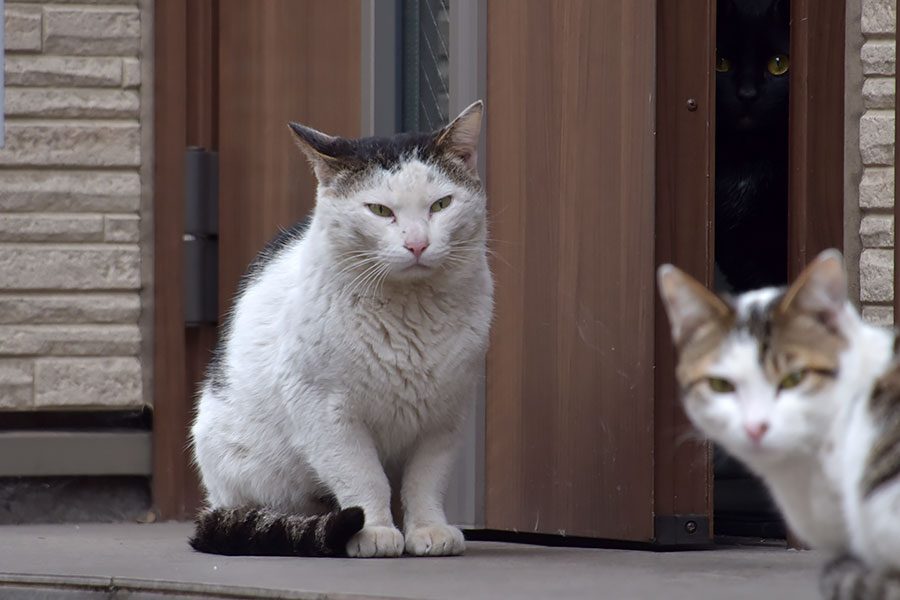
460	138
688	303
317	147
821	289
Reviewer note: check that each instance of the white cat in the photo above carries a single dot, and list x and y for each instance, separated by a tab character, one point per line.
353	352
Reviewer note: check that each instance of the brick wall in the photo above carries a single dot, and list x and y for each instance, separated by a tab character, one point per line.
70	194
876	141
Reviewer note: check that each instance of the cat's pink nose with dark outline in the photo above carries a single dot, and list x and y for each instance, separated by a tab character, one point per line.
756	431
417	248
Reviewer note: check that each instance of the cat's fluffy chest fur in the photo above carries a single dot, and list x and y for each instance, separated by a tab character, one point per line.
398	355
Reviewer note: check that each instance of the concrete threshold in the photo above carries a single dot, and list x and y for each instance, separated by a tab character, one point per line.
154	562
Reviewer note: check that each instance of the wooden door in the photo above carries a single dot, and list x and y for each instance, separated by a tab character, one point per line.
230	74
585	433
570	163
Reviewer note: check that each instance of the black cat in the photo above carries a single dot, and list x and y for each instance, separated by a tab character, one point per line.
752	63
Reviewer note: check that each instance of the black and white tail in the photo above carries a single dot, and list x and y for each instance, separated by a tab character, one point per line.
846	578
262	532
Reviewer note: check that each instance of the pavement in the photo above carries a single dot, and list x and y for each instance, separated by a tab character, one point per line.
154	562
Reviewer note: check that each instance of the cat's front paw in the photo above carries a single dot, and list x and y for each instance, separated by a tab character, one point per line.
435	540
373	542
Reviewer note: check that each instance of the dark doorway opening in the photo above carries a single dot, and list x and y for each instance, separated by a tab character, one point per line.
752	82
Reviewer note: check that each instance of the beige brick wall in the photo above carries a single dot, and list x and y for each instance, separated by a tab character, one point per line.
70	196
876	147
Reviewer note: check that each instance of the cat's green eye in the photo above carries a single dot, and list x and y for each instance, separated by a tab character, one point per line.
381	210
791	380
779	64
441	204
719	385
723	65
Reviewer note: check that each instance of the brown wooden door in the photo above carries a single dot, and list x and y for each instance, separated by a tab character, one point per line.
570	163
600	167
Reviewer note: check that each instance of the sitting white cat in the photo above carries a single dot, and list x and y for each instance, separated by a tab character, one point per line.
352	354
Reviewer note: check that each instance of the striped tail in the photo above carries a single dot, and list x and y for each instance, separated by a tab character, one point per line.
262	532
846	578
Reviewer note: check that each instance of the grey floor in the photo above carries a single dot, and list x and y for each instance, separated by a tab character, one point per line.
150	562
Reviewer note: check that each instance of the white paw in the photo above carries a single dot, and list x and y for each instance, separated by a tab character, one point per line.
435	540
376	542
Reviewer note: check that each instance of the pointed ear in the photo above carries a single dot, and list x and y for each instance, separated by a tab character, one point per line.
688	304
821	289
460	138
316	146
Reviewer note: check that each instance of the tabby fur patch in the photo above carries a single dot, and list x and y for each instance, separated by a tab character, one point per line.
846	578
248	531
883	463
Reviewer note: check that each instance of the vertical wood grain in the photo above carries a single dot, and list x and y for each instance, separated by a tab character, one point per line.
570	157
685	203
816	144
170	406
280	61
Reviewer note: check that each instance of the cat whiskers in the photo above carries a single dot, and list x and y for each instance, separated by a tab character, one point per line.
351	261
375	281
374	270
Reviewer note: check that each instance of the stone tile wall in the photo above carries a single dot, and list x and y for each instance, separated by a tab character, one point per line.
70	193
876	141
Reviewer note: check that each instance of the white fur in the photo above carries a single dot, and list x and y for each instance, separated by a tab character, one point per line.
350	368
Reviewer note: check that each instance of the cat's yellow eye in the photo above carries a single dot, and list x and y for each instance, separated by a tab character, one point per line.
719	385
723	65
441	204
381	210
779	64
792	380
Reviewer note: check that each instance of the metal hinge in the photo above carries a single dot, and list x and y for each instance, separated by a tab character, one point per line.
682	530
201	237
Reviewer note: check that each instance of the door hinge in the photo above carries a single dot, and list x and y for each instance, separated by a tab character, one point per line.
201	237
682	530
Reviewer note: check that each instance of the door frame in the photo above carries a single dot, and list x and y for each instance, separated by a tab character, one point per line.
186	115
686	200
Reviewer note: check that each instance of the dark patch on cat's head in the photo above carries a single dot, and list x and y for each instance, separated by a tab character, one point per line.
343	163
750	100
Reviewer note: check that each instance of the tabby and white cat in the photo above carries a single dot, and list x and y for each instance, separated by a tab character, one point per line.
351	356
793	383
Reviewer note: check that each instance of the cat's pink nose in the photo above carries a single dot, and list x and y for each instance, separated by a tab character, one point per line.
756	431
417	248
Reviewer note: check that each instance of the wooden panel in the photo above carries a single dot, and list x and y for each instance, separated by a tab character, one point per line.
171	410
280	61
685	202
570	162
202	129
815	206
202	89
